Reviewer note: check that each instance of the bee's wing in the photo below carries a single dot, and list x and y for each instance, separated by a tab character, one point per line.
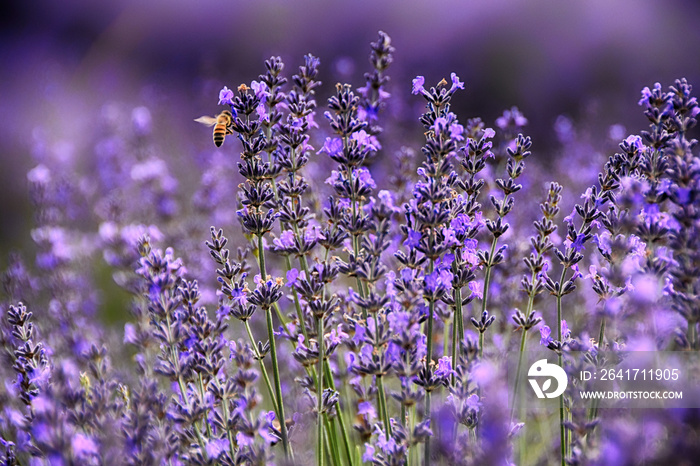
206	120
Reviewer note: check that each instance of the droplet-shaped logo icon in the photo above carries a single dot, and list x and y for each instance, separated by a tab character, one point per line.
542	368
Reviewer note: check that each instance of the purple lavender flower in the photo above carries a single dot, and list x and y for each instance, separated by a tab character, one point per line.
413	239
578	243
226	96
545	335
367	409
418	83
473	402
456	83
444	369
565	332
84	446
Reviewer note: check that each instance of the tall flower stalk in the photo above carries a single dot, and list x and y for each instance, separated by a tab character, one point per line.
497	227
537	264
670	168
569	257
257	217
430	214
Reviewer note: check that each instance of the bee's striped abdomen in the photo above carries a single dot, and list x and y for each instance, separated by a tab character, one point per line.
221	129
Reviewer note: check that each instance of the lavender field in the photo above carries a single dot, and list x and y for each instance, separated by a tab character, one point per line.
405	233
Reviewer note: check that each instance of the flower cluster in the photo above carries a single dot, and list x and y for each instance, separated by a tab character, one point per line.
333	331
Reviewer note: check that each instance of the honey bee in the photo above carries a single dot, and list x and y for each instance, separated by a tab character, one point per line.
220	123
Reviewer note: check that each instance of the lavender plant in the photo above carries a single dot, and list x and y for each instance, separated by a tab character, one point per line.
330	326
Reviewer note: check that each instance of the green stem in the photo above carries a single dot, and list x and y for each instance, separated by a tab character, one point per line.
332	441
562	429
562	414
278	385
327	446
341	417
403	415
382	407
460	325
202	394
692	334
530	305
404	412
266	377
481	345
263	276
426	456
319	391
429	360
446	338
229	434
273	356
412	452
601	335
456	322
355	238
297	305
280	316
484	301
487	277
523	341
455	339
311	371
327	371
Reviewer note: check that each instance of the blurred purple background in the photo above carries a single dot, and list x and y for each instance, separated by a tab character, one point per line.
64	63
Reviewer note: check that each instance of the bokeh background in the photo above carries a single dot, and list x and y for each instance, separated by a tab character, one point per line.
81	80
64	66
